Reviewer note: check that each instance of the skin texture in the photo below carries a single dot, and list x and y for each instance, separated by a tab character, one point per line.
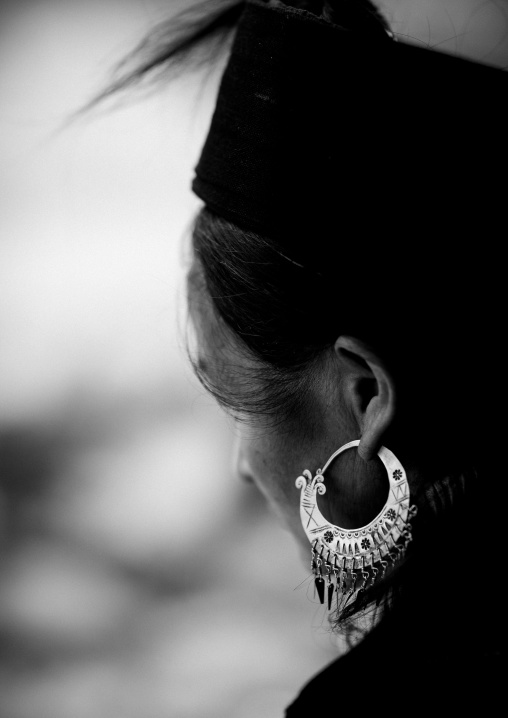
352	396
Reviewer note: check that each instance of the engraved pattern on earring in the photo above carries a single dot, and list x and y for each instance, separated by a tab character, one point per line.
382	541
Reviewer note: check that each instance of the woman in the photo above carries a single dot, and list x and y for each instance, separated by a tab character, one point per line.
346	292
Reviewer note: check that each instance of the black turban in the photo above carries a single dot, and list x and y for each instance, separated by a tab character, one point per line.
323	134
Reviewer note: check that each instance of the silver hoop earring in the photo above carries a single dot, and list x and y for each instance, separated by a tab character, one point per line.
348	561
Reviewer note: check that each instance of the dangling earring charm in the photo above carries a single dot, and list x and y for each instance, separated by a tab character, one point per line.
371	546
319	581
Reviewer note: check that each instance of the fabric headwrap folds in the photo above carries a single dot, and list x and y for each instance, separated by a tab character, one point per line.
320	132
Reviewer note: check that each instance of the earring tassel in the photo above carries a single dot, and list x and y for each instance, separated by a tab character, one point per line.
330	595
320	587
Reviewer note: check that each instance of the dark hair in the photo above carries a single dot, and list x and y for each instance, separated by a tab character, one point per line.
255	288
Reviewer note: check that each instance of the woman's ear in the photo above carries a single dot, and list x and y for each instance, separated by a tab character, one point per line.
369	392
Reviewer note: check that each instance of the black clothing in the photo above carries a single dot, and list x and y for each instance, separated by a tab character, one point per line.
405	672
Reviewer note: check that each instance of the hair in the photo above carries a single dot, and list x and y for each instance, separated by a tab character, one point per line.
196	37
255	288
277	310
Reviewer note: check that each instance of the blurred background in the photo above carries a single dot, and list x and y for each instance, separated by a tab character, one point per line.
138	577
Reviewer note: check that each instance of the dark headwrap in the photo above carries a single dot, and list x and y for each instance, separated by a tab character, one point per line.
321	130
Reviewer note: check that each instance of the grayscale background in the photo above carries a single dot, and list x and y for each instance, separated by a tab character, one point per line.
138	577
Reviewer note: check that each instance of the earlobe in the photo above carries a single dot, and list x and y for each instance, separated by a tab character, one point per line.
370	392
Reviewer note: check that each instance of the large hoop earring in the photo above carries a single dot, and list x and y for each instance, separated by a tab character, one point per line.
340	555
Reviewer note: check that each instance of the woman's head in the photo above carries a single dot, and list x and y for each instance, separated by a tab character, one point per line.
332	283
344	283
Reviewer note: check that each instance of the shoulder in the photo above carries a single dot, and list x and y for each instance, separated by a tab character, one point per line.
384	676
